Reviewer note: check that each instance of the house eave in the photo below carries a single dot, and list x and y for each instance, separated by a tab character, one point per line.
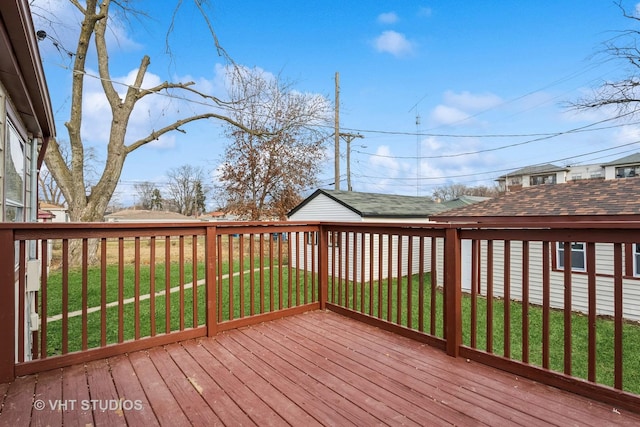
21	69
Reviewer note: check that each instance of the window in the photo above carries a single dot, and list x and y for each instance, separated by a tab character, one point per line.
636	259
576	176
14	164
542	179
516	180
578	256
628	171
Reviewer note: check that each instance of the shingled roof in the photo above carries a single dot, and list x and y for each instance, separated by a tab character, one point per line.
535	170
374	205
617	198
628	160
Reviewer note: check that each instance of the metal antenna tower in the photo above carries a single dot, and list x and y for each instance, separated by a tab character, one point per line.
418	145
418	154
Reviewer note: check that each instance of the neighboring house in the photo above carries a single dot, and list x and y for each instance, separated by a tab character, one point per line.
26	117
615	199
141	215
351	206
335	205
531	176
218	216
625	167
50	212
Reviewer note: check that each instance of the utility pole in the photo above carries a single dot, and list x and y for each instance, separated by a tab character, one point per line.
348	137
336	133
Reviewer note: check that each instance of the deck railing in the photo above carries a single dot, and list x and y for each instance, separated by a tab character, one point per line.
496	293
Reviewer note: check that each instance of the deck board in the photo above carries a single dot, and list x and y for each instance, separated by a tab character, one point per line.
318	368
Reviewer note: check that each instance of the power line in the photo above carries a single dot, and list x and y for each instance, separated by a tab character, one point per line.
517	144
372	131
503	170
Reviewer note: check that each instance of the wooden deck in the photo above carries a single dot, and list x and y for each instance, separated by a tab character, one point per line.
317	368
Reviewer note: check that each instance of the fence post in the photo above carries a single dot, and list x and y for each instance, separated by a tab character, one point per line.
211	280
323	267
7	306
453	291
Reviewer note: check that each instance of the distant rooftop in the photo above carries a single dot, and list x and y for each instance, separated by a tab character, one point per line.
146	215
535	170
630	159
376	205
589	197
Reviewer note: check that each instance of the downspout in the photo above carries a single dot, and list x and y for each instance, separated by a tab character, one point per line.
32	320
34	189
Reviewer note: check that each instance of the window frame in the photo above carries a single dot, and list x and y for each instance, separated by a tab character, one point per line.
635	256
574	252
14	140
545	178
627	171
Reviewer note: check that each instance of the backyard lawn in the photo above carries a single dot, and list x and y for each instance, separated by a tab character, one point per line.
279	286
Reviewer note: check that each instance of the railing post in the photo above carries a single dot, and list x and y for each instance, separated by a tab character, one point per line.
7	306
453	291
211	280
323	267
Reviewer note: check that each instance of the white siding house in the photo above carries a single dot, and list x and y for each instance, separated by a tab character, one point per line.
357	248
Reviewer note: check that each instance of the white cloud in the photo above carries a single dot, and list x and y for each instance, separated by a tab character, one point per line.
388	18
637	10
384	159
150	113
394	43
446	115
626	134
472	102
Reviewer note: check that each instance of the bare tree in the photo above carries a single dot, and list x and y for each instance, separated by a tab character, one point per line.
453	191
88	202
145	191
623	94
186	189
49	191
262	175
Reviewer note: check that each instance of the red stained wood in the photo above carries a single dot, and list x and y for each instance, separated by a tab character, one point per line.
183	389
164	405
318	368
136	410
246	399
215	396
74	387
103	395
18	402
21	301
48	390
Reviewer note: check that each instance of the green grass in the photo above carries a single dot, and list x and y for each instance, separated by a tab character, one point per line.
273	288
271	285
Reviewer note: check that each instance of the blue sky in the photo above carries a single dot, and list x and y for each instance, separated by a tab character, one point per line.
489	81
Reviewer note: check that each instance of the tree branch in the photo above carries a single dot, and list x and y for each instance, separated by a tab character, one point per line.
184	86
174	126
